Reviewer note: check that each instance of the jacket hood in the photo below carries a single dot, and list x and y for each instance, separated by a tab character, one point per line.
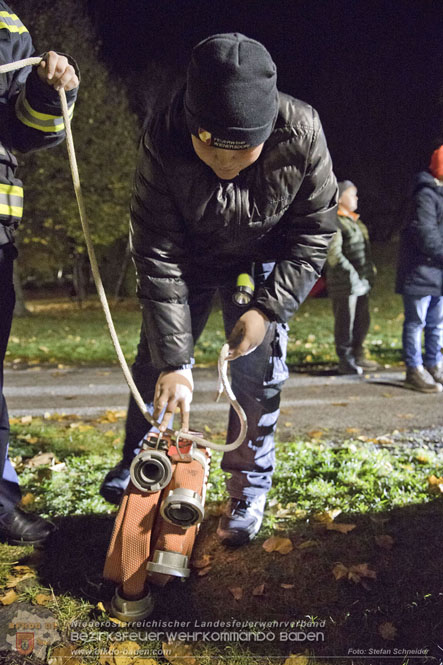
426	179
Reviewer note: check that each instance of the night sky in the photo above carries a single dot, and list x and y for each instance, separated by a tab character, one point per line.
373	69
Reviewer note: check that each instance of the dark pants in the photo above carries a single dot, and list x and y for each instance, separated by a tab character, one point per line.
351	325
9	489
257	380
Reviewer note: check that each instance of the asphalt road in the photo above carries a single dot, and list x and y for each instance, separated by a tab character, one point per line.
376	404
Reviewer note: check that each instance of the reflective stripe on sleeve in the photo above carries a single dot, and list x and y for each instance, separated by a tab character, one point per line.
11	201
43	122
12	23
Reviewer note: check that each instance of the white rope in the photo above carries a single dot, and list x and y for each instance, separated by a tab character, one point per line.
222	361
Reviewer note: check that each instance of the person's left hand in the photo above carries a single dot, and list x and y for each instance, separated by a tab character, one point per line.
247	334
56	71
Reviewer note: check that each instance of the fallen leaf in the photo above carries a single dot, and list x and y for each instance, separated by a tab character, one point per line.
102	608
237	592
385	441
287	586
258	590
297	659
337	526
20	573
327	515
204	571
385	541
63	655
339	571
435	484
9	597
27	499
25	420
179	653
40	460
278	544
339	404
316	433
387	630
124	652
353	573
361	570
43	599
306	544
61	466
203	562
353	430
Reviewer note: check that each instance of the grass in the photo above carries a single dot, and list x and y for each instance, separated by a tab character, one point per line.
61	332
380	488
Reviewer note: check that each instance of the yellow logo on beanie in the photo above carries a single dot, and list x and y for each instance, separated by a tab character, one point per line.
204	136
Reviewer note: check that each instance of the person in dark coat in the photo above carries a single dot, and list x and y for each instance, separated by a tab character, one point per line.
420	280
30	119
233	174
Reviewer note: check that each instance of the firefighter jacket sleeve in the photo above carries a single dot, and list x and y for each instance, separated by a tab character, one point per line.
308	227
30	116
161	256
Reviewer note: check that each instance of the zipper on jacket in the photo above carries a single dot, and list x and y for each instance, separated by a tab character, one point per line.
237	224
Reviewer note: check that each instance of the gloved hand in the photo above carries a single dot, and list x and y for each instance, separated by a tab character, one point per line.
173	389
247	334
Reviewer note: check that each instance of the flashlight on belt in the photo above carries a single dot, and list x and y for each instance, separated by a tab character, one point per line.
244	289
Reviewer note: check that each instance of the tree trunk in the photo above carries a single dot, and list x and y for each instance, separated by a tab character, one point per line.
123	271
20	307
79	277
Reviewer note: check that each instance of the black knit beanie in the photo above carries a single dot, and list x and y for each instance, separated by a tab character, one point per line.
231	99
343	186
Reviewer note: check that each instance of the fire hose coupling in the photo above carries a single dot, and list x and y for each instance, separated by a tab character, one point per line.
169	563
183	507
151	470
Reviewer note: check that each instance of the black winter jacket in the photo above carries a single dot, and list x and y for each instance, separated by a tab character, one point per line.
420	261
190	229
30	116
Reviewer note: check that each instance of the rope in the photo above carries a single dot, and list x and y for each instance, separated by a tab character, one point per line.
222	362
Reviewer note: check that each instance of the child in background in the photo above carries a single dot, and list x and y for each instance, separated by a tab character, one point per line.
350	274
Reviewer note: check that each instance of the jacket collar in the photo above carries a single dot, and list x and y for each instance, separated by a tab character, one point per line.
345	213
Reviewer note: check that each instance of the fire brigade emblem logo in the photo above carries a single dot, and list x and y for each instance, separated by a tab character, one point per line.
24	643
204	136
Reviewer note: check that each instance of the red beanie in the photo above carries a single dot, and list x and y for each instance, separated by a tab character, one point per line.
436	164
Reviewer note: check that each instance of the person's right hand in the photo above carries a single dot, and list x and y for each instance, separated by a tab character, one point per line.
56	71
172	390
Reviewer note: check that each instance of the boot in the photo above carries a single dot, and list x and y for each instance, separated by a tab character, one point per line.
418	378
436	372
364	362
349	366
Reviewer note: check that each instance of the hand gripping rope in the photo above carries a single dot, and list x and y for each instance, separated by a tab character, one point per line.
223	383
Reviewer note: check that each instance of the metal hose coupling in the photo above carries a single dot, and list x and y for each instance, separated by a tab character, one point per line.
151	470
184	506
